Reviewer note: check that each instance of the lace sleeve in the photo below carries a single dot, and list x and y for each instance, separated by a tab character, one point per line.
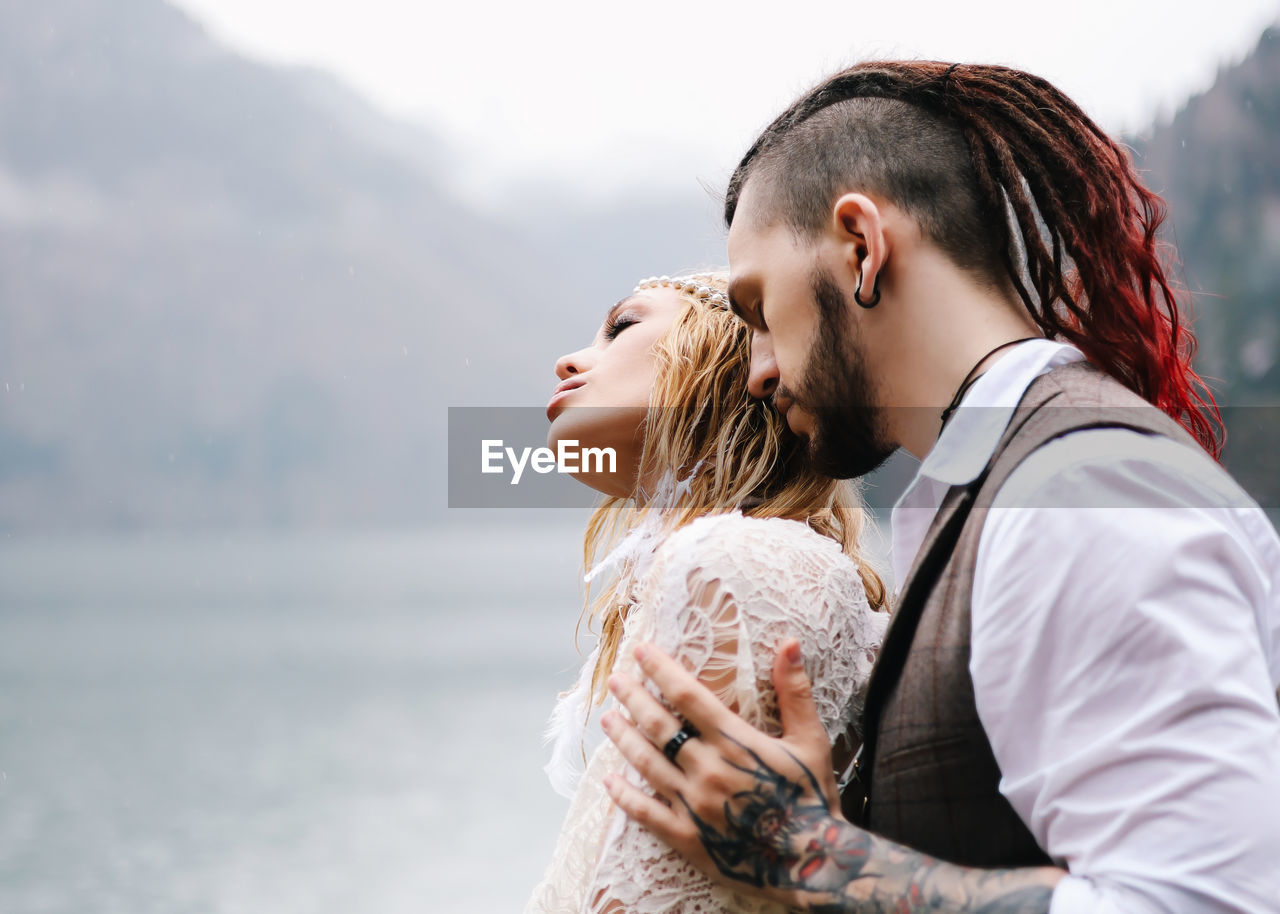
724	592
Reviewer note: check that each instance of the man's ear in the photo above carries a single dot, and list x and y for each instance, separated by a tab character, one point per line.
858	228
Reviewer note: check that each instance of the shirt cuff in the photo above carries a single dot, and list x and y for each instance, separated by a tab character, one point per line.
1078	895
1074	895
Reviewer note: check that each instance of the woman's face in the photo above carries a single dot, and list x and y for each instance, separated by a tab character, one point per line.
604	389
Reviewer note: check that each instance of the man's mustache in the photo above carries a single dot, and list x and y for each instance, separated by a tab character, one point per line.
781	392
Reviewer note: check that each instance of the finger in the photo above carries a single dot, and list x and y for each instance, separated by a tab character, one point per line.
796	708
665	823
654	721
691	699
664	777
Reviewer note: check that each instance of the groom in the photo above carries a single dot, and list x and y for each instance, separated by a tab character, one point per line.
1074	708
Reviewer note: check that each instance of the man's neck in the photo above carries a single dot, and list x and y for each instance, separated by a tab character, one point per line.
943	331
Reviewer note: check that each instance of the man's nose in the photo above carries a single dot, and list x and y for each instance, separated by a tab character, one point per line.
762	378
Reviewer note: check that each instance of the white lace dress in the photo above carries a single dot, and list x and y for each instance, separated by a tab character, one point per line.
719	594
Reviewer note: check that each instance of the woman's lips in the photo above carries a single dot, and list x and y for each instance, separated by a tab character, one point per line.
560	393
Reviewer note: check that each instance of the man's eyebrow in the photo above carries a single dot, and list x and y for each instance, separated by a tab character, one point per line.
735	301
734	305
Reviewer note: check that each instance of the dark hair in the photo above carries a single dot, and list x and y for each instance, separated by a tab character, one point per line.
1016	185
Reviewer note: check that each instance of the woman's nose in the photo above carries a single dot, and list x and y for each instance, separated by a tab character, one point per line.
762	378
571	364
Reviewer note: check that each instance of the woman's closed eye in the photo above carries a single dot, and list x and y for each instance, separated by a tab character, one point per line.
617	324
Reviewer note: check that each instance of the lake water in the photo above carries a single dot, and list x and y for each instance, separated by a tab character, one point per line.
280	723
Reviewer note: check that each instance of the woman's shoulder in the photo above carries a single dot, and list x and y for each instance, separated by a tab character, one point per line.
734	540
774	572
735	525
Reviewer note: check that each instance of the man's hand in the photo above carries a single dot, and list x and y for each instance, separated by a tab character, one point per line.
740	805
763	812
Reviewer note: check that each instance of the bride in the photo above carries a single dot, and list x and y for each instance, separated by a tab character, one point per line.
715	542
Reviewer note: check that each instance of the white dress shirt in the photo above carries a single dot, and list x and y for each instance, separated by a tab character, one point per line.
1125	653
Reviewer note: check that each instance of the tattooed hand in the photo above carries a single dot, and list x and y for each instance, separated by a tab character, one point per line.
766	838
763	812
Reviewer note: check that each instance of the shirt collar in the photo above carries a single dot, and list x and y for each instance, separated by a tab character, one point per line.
974	430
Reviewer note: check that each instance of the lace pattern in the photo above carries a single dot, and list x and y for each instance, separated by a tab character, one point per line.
720	594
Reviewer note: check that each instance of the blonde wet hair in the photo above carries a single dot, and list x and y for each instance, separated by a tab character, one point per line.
701	416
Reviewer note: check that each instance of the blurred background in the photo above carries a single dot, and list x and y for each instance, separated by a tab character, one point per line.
250	253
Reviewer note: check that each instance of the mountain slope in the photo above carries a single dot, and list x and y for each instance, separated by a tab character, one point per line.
228	292
1217	162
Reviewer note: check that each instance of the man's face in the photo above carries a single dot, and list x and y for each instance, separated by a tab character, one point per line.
805	353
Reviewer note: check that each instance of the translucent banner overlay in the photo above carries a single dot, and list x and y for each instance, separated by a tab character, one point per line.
499	457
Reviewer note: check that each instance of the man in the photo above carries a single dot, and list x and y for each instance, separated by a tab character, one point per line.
1074	708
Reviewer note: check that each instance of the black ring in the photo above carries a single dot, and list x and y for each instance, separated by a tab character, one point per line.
683	735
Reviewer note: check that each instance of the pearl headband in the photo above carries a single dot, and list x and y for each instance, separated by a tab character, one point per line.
688	285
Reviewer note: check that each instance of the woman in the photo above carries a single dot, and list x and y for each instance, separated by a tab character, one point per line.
721	543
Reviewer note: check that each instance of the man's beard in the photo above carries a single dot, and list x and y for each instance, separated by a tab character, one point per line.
849	437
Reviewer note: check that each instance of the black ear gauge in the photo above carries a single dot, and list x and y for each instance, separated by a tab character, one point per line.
875	293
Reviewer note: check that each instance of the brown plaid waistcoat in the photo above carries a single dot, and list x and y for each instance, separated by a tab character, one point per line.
927	777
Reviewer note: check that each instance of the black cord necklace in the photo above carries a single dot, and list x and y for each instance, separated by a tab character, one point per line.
972	377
